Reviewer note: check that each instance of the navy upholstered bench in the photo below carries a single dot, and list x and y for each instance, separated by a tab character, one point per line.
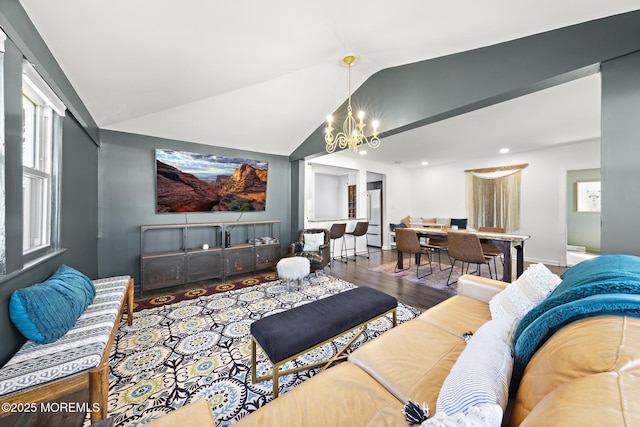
289	334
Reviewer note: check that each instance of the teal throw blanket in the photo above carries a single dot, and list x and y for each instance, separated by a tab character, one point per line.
609	284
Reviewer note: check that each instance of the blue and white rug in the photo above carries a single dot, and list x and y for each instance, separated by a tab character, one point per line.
200	349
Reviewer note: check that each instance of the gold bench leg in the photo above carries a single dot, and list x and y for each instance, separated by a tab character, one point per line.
276	378
254	365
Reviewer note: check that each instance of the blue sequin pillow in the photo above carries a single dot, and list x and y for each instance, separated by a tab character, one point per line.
46	311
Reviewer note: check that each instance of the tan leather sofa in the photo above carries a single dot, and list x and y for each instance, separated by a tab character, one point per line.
586	374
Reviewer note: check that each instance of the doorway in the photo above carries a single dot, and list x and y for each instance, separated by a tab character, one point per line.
583	215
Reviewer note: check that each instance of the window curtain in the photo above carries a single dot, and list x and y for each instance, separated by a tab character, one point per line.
494	197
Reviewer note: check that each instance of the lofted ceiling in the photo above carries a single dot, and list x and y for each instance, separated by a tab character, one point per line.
262	76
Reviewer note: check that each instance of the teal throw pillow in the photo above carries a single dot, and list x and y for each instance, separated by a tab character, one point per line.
46	311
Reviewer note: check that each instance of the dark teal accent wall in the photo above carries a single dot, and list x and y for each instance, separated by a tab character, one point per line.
13	155
127	196
621	155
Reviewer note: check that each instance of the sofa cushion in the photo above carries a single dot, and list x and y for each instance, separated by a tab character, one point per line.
443	221
582	349
421	358
459	222
606	399
46	311
532	287
341	396
457	315
482	372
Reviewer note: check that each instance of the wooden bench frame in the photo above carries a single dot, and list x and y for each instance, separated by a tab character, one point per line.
96	379
276	373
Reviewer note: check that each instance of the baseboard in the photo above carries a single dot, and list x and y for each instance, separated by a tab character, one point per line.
552	262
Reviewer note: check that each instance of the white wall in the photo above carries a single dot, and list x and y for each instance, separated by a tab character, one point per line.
329	190
397	186
441	191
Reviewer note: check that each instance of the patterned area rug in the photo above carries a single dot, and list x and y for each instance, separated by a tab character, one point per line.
204	289
200	349
437	280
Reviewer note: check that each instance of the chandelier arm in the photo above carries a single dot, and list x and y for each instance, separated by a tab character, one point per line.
373	142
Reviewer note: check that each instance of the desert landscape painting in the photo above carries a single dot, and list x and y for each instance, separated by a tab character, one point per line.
192	182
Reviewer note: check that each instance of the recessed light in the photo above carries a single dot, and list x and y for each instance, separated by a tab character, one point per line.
504	150
362	152
425	163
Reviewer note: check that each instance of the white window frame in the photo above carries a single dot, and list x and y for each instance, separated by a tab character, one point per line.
40	166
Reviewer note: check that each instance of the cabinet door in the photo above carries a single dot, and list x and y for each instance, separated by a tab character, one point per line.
239	261
204	265
161	271
267	256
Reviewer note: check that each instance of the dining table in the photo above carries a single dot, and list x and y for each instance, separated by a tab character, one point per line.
504	241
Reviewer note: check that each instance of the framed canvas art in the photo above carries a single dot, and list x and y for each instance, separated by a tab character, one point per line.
194	182
588	196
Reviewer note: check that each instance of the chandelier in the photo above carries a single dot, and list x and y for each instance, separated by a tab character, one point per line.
352	135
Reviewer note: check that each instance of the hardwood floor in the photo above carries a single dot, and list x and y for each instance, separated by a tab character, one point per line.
358	273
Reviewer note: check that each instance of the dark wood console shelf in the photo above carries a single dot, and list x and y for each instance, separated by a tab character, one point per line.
175	254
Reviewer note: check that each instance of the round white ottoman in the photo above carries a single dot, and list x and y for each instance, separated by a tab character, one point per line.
293	268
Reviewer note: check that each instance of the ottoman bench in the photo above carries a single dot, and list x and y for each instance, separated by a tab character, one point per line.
289	334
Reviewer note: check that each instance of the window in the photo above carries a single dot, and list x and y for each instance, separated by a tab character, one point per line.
41	120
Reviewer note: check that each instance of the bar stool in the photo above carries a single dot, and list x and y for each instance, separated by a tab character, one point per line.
337	232
359	231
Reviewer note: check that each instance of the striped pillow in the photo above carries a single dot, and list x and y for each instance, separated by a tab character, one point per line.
482	372
486	415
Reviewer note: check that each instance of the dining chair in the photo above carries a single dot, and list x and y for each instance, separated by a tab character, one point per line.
439	246
337	232
407	242
466	248
490	249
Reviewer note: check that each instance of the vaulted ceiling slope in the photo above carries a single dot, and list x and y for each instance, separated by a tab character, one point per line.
262	76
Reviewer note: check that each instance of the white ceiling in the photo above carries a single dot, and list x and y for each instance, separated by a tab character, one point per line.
262	76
